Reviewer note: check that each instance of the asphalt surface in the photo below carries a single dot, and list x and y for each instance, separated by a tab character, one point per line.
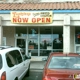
34	75
36	69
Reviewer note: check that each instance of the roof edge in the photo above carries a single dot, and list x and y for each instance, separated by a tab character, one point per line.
37	2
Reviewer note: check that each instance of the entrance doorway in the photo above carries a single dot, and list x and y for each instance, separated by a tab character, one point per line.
20	42
40	41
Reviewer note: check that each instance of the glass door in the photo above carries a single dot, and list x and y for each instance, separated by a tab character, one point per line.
21	38
33	41
57	39
21	42
77	40
45	41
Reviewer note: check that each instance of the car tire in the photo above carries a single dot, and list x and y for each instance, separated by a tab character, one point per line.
28	72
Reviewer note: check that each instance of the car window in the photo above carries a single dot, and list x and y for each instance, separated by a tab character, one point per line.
23	54
24	57
11	60
0	62
18	56
65	62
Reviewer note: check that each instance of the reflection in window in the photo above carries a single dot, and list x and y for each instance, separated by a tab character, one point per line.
33	52
45	41
57	41
77	38
11	59
21	31
77	35
45	52
0	61
65	62
33	41
21	43
18	56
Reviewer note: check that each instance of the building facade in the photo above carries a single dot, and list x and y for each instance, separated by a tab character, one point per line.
41	28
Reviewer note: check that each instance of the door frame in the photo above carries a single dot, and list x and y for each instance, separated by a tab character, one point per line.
26	45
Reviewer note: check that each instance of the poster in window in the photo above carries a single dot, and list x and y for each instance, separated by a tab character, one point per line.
4	41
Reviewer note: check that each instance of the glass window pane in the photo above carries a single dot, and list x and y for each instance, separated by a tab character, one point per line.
77	38
44	52
57	39
18	56
21	31
33	52
33	41
0	61
45	41
21	43
11	58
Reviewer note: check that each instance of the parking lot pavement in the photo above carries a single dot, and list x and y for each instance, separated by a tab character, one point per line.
34	75
36	69
37	64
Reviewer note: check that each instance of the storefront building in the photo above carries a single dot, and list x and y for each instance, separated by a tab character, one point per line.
41	28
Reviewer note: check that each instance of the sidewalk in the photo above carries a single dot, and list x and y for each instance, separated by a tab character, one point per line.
37	64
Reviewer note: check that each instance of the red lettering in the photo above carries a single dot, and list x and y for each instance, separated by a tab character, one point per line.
14	14
14	20
19	20
43	20
48	20
38	19
25	19
34	20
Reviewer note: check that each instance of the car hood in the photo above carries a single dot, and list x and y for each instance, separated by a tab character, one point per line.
63	74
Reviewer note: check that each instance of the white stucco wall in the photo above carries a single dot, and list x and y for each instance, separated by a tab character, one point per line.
57	20
9	33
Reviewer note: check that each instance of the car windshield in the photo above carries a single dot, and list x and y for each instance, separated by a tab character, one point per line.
0	62
65	62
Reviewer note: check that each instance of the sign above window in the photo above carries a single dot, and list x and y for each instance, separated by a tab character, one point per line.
31	17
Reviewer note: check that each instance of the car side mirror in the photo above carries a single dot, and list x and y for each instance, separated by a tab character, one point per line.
26	57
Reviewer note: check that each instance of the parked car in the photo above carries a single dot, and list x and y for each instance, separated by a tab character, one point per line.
62	66
13	66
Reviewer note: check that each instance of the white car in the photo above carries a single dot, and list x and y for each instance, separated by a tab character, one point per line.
13	65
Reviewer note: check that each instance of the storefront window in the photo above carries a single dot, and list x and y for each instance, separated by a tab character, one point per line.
33	52
40	41
33	41
21	43
45	41
57	39
77	38
21	35
21	31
